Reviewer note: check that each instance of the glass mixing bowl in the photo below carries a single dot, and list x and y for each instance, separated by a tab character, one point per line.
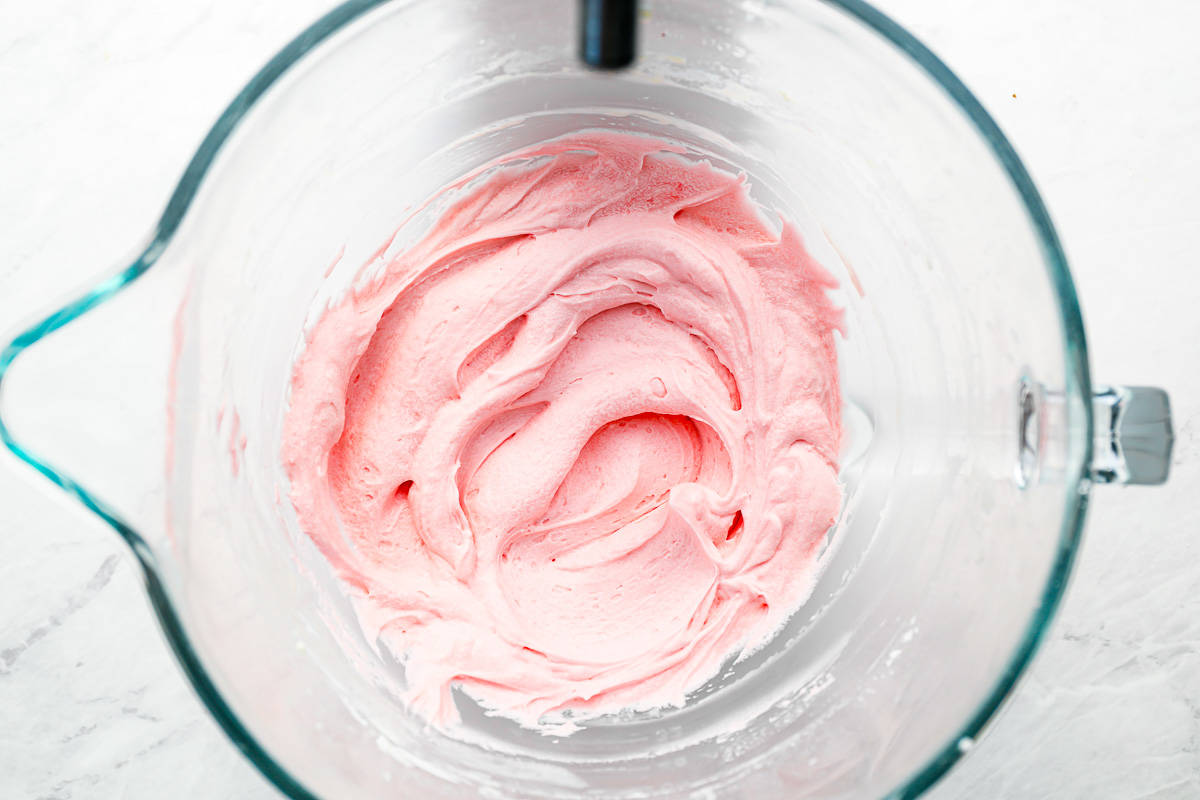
975	434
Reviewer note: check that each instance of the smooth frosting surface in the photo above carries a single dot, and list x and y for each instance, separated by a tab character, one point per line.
579	444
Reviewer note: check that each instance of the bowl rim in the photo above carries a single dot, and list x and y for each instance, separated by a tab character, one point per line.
1077	379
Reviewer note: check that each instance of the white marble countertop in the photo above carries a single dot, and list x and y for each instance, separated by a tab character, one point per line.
101	103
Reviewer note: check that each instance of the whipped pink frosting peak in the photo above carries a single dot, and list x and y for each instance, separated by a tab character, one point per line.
578	445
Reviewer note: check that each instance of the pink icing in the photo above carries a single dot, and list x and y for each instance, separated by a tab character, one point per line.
578	445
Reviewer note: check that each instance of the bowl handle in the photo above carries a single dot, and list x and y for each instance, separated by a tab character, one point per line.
1133	435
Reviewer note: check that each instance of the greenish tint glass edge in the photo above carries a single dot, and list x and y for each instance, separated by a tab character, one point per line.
1078	389
178	204
1077	376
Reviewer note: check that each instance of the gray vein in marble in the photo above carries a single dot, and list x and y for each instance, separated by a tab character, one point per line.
9	655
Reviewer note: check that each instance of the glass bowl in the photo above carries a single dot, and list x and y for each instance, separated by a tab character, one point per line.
975	434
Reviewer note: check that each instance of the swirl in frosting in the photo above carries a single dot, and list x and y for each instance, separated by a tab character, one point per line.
577	446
